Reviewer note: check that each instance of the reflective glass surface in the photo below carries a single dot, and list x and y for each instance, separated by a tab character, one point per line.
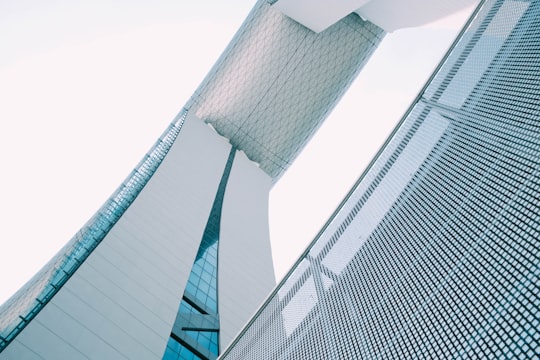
202	283
189	341
176	351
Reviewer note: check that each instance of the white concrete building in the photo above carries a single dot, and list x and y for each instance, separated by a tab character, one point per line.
178	259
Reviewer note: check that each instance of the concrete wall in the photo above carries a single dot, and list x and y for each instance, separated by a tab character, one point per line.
245	276
123	300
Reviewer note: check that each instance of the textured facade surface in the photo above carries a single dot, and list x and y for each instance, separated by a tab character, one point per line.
23	306
435	253
158	234
276	82
123	299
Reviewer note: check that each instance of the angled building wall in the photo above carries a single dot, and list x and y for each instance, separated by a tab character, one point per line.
123	299
435	252
267	94
178	258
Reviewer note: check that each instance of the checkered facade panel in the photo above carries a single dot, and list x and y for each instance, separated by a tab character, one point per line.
277	81
435	253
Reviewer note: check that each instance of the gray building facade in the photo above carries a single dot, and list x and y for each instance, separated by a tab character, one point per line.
435	252
178	259
120	288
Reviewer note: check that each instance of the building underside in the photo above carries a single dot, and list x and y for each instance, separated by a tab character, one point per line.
176	261
435	252
277	81
179	256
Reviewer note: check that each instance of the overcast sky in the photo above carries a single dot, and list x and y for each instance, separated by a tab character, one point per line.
86	87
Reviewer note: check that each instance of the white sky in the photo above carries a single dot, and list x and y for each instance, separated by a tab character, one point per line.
86	87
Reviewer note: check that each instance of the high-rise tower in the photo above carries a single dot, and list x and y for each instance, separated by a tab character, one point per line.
177	230
175	262
435	253
178	258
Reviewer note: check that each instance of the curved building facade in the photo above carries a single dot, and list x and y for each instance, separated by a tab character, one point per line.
176	261
120	288
435	252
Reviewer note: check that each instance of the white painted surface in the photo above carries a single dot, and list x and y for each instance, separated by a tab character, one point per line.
390	15
246	274
397	14
123	300
317	15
